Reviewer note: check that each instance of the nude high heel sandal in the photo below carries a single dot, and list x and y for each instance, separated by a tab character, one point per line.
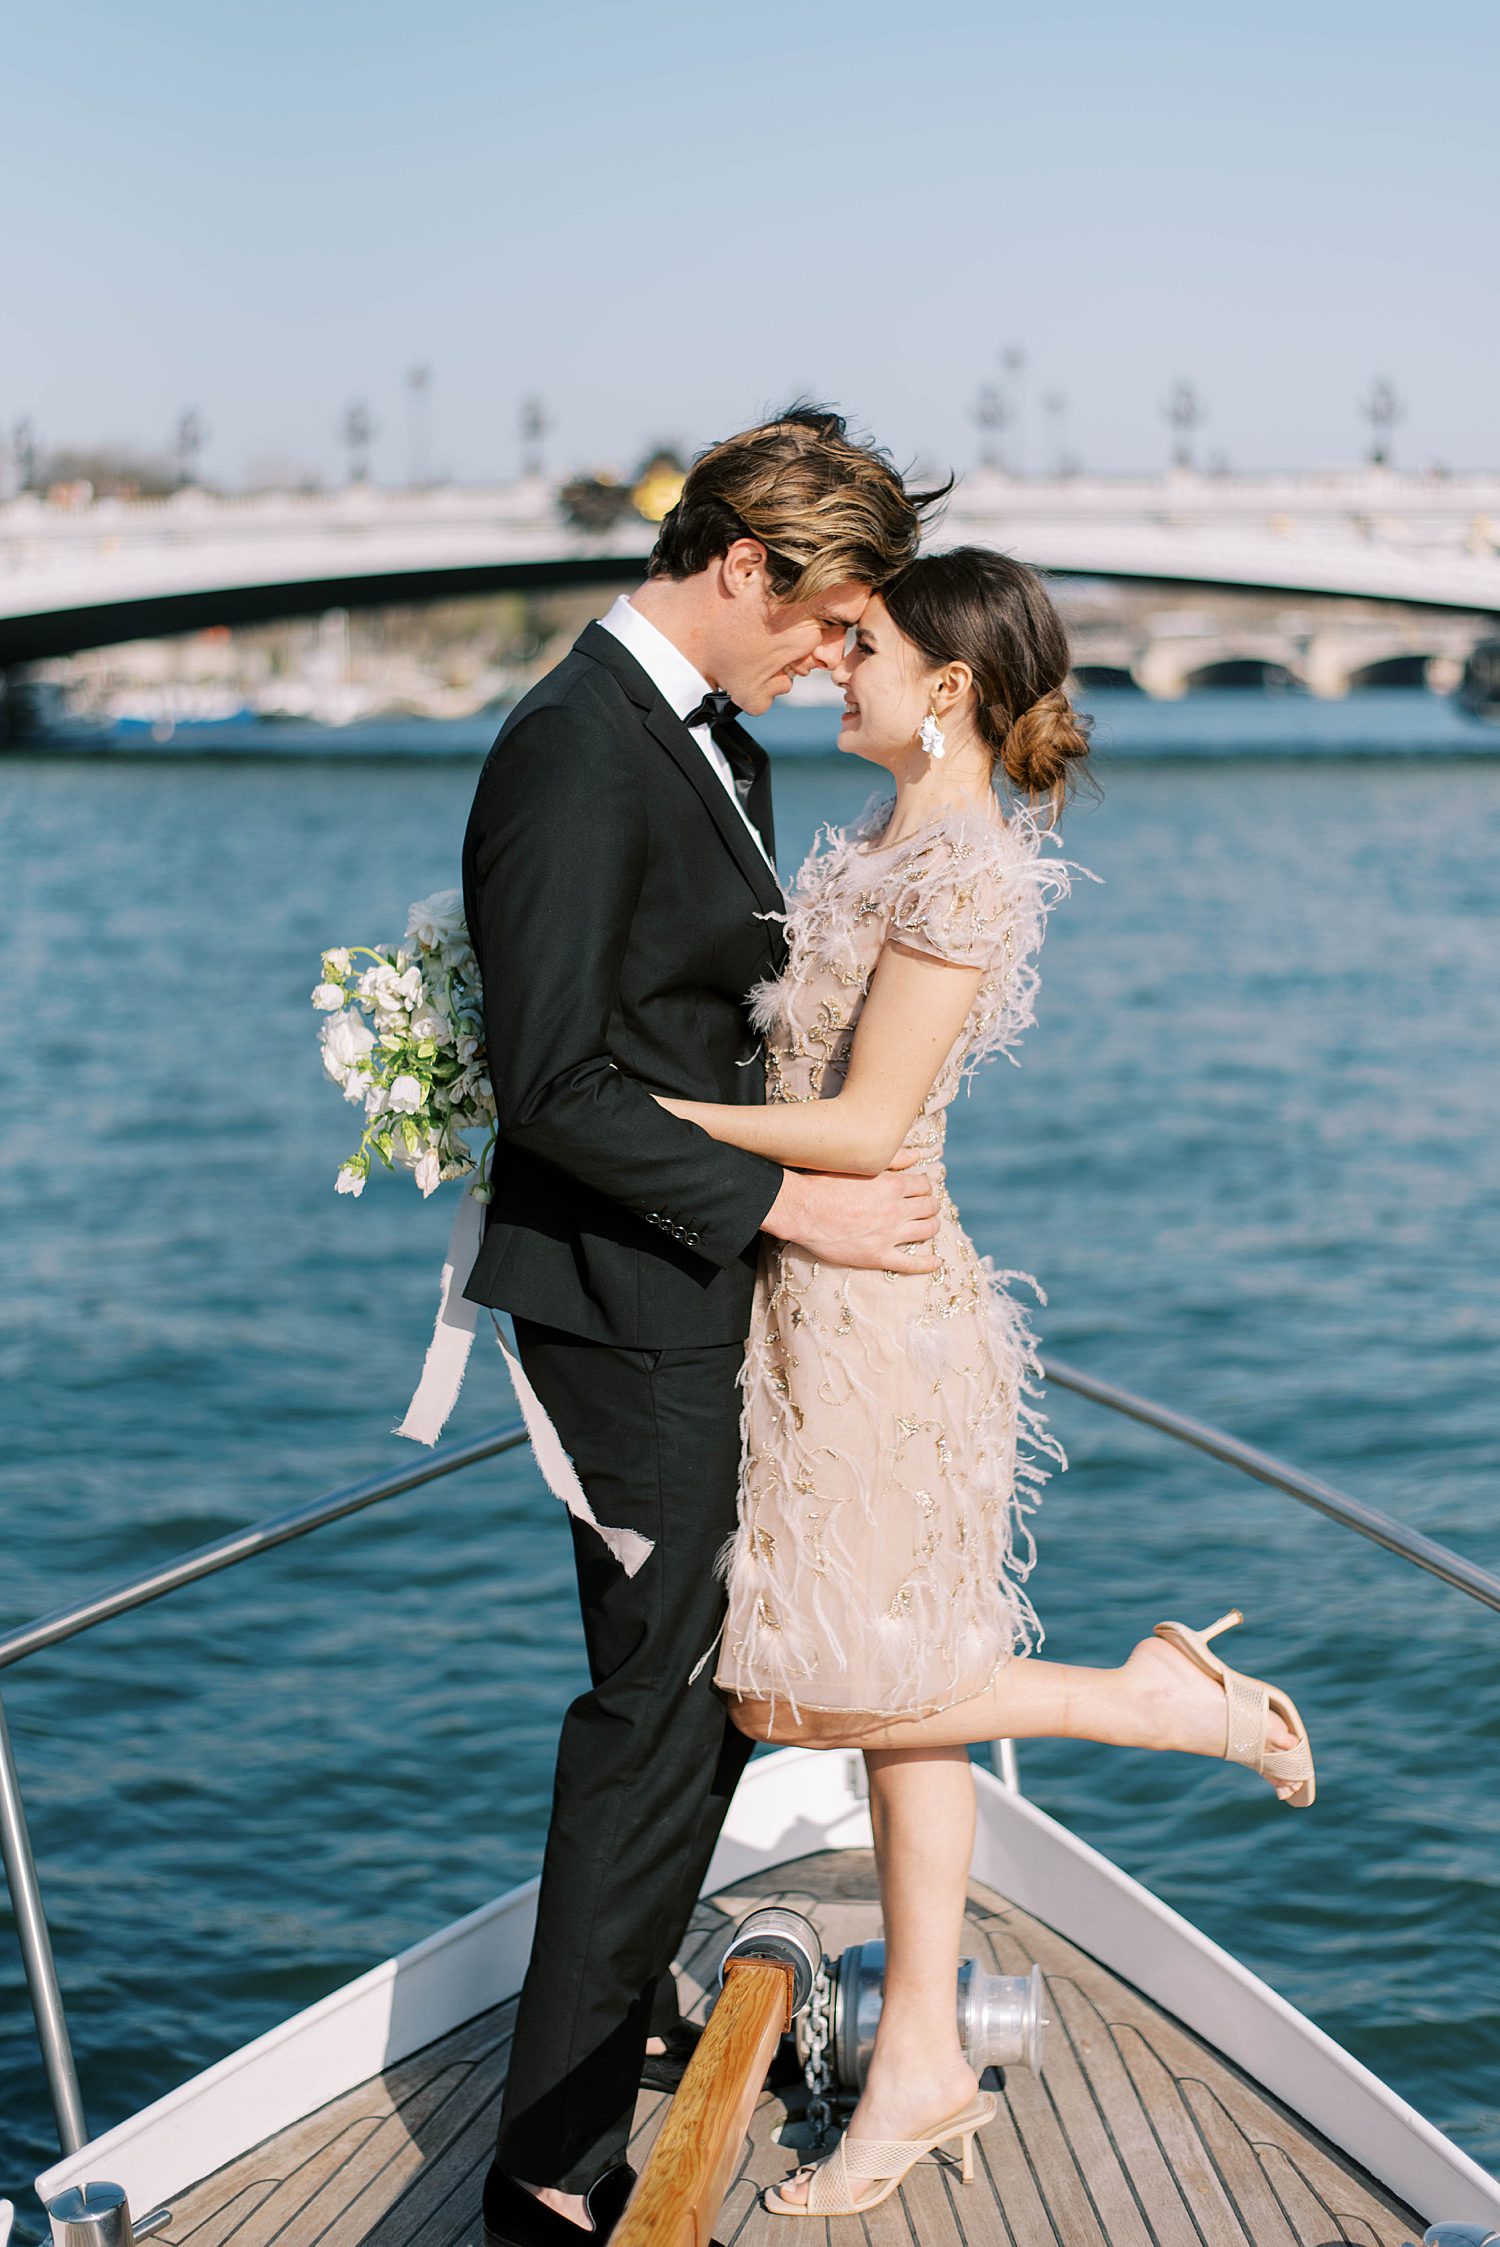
1248	1702
884	2162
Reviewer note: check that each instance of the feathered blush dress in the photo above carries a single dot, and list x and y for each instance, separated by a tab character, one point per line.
891	1445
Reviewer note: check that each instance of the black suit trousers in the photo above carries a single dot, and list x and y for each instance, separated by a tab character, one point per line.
647	1761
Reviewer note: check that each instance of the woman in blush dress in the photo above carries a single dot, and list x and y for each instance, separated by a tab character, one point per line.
892	1442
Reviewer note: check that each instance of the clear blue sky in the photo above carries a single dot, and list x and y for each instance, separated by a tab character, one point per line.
662	216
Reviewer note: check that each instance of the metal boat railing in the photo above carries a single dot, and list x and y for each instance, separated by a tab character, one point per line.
298	1521
119	1599
1352	1513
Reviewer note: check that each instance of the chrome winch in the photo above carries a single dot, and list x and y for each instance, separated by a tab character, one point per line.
1001	2017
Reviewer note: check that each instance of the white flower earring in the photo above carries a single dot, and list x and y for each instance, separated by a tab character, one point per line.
931	735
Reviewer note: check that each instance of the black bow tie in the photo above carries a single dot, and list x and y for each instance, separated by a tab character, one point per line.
714	710
718	713
745	762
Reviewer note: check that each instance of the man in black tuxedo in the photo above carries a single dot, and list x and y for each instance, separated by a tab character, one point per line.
621	897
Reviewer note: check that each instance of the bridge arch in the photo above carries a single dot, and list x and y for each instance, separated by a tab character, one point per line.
1243	671
1411	668
1117	678
159	616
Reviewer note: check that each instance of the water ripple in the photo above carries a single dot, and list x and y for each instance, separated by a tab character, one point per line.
1250	1152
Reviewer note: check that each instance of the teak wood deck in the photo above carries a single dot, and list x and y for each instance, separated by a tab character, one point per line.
1136	2133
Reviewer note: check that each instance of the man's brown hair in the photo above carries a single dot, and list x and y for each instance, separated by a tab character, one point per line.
825	507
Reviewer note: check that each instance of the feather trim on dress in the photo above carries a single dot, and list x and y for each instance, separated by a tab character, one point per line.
893	1440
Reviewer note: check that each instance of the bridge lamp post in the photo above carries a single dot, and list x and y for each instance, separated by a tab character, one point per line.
24	447
990	417
418	427
1382	410
1184	410
533	430
1014	363
1055	415
188	443
358	433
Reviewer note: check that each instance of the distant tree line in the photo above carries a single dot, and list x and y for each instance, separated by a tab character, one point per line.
109	474
108	471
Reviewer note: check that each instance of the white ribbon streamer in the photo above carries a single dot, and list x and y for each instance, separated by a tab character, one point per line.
443	1377
560	1475
453	1334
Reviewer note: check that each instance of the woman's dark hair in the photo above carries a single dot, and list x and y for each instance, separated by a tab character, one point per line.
984	609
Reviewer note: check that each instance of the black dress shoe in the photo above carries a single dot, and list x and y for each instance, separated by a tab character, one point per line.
514	2217
664	2071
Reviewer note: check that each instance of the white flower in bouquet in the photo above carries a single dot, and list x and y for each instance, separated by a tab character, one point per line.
380	988
404	1035
437	923
347	1045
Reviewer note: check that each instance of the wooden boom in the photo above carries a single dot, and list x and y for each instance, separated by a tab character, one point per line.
680	2191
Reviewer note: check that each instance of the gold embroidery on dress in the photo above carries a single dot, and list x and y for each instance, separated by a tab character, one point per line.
831	1428
779	1382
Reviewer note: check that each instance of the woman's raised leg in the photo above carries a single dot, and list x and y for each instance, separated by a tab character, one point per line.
1157	1698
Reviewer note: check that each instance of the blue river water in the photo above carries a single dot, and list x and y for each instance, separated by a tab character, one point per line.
1250	1152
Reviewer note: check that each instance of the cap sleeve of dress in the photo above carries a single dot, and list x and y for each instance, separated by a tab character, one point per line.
976	893
963	887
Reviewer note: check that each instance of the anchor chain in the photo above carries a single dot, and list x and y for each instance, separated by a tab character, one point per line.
817	2069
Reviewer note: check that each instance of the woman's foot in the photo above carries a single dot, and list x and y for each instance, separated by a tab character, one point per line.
1183	1707
901	2101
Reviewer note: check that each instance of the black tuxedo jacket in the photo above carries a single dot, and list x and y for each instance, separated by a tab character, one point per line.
618	909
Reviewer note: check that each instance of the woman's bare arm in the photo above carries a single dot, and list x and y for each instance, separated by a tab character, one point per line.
915	1009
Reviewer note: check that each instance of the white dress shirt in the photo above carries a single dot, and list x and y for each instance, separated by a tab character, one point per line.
681	686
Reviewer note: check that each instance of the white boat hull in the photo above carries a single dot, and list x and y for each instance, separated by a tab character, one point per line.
789	1805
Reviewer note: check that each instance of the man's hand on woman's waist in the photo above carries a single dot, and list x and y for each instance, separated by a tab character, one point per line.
879	1224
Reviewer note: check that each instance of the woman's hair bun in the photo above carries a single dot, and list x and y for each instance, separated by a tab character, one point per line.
1040	745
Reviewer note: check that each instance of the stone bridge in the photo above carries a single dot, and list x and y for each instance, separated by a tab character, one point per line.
91	575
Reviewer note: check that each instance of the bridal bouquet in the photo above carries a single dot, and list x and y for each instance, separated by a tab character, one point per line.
404	1036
